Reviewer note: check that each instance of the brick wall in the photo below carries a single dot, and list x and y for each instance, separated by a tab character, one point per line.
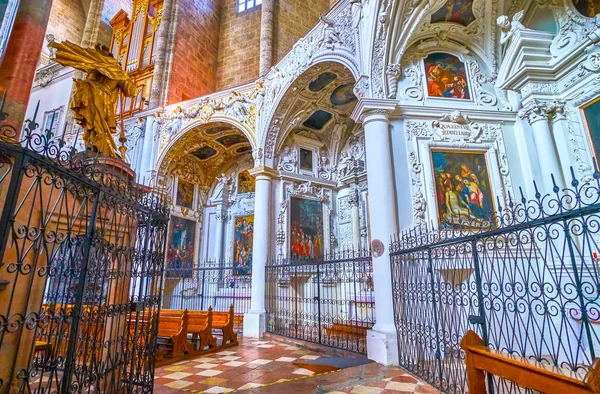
67	21
239	45
194	66
293	19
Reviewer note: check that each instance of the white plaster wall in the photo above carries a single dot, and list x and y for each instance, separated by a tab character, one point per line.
53	96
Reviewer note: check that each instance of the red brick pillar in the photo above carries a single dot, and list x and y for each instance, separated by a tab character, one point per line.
266	36
18	65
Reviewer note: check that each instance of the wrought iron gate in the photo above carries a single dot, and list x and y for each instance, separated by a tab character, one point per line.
330	301
81	264
526	281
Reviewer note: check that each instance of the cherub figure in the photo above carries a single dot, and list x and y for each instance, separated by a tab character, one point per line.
509	27
95	98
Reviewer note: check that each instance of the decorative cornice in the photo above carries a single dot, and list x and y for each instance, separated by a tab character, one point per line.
264	171
367	107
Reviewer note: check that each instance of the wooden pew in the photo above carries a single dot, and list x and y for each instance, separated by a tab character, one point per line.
200	326
524	372
175	328
223	321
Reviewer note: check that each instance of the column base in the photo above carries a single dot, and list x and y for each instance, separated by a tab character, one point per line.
382	346
254	324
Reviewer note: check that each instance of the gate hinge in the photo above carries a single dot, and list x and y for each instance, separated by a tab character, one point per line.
476	319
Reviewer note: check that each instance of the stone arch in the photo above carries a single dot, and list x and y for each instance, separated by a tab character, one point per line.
408	26
178	156
271	134
245	129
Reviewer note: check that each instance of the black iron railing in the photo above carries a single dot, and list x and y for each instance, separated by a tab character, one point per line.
81	267
216	285
526	281
328	301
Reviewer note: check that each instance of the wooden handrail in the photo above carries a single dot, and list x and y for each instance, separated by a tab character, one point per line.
524	372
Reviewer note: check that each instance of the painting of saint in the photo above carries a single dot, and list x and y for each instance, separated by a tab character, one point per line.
180	248
246	183
587	8
185	194
591	115
463	190
457	11
306	159
446	77
242	245
306	229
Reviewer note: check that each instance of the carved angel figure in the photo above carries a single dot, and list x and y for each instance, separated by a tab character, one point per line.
288	160
95	97
509	27
330	36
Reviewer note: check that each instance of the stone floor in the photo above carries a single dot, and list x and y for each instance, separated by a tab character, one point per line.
266	367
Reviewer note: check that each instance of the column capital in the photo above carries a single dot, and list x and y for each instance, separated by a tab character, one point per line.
263	171
368	109
537	110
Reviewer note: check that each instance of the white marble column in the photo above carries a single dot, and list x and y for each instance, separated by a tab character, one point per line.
254	320
353	201
222	217
539	114
146	164
382	342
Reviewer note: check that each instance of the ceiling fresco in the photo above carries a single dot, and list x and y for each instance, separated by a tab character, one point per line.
206	151
317	102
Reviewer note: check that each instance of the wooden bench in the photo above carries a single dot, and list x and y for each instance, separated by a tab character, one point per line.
200	326
223	321
174	327
349	330
524	372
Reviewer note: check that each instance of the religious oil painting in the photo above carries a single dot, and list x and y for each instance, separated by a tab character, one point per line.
246	183
343	95
321	81
180	249
306	159
446	77
242	245
306	229
205	152
185	194
456	11
587	8
463	190
591	115
231	139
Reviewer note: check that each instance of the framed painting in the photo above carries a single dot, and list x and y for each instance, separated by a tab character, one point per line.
587	8
243	236
246	183
180	248
456	11
306	159
185	194
462	188
446	77
591	117
306	229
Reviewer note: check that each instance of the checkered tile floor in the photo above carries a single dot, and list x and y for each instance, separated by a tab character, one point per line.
250	365
266	366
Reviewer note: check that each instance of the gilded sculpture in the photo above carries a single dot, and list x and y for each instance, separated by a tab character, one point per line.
95	98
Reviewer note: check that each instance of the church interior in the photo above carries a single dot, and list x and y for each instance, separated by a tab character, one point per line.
317	196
